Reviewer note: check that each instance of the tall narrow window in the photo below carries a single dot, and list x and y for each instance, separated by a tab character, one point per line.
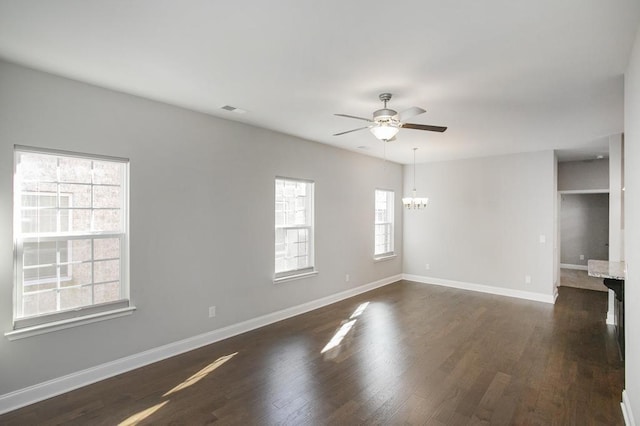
294	227
70	227
383	223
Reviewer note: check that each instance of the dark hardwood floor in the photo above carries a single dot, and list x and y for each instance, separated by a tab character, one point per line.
416	354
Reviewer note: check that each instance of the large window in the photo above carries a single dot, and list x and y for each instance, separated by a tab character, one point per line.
70	228
383	223
294	227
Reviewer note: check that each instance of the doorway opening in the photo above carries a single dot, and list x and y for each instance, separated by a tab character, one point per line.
584	235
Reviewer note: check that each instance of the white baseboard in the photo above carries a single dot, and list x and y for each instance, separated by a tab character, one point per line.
23	397
626	409
571	266
501	291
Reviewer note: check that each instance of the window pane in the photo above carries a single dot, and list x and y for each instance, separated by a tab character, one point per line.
106	248
37	167
293	221
72	195
46	219
106	196
75	297
106	270
34	287
80	250
80	274
39	212
107	292
74	169
64	205
280	243
383	228
293	203
40	303
107	173
106	220
37	187
41	274
39	253
280	213
80	220
296	250
39	200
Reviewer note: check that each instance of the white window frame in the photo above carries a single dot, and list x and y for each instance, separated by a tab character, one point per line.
25	326
389	223
285	275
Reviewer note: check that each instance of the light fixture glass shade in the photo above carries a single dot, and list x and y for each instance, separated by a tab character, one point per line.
415	202
385	131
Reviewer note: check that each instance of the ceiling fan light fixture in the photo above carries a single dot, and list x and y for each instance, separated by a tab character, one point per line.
385	130
386	122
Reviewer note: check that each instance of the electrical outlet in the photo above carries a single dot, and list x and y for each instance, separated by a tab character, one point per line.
347	278
212	311
543	239
427	266
582	257
527	279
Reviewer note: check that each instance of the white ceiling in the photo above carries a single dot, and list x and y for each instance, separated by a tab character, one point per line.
505	76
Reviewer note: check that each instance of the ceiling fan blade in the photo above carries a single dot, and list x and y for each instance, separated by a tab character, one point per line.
353	116
411	112
349	131
423	127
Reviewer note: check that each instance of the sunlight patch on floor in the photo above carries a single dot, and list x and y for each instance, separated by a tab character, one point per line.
140	416
201	374
359	311
344	329
337	338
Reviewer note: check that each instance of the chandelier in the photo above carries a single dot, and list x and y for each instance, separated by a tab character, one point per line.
414	202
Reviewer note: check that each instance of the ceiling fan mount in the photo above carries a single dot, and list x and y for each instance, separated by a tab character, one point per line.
385	97
384	113
386	122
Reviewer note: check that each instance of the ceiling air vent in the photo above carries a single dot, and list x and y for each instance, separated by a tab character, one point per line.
233	109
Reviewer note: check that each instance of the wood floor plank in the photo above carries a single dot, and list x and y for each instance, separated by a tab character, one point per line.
417	354
489	402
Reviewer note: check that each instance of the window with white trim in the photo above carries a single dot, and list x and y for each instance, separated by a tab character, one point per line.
293	227
383	223
70	228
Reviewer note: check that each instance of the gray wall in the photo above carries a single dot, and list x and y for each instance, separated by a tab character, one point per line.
583	175
484	221
202	218
584	228
632	227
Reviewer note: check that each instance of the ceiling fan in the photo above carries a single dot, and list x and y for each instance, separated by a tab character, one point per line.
386	123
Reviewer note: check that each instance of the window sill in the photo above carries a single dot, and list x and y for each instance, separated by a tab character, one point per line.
35	330
385	257
294	277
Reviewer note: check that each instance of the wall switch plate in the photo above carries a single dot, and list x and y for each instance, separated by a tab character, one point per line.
427	266
527	279
212	311
543	239
347	278
582	257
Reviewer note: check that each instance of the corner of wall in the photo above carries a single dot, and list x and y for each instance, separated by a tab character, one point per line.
625	405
